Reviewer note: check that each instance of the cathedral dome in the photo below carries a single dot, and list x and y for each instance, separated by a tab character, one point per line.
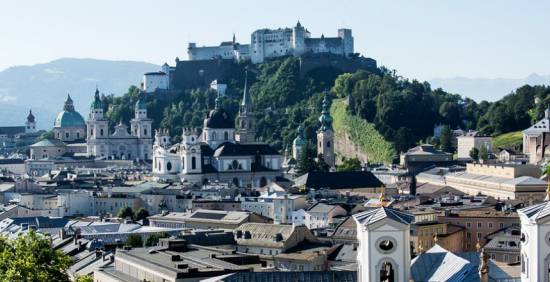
69	117
219	118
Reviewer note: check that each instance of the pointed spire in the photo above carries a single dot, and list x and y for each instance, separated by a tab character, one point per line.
325	119
69	107
217	102
246	103
234	38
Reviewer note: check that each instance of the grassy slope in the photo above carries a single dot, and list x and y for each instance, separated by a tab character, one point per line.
362	133
508	140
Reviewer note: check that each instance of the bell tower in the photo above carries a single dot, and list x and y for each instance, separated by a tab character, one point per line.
535	242
325	134
246	122
384	245
30	124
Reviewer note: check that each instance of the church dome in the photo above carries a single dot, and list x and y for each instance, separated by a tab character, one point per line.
69	117
219	118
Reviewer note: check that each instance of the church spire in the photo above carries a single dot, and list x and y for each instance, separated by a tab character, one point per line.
246	103
325	119
217	102
69	106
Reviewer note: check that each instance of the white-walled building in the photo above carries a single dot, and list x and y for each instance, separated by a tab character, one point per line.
120	144
221	152
158	80
277	205
270	43
470	140
536	140
318	216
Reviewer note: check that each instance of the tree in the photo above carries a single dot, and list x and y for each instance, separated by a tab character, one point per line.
306	160
446	136
483	153
46	135
141	213
30	258
84	278
154	239
134	240
352	164
125	212
321	165
474	154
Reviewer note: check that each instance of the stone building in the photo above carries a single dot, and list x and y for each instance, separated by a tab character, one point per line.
69	125
120	144
470	140
215	154
536	140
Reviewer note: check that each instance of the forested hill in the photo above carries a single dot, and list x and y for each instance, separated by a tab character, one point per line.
404	112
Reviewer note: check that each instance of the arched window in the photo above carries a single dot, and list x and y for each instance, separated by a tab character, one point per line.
78	135
168	166
387	272
101	132
145	131
92	132
193	163
214	135
67	135
328	144
225	136
234	164
183	162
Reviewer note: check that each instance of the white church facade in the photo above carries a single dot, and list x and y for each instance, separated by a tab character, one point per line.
121	144
220	152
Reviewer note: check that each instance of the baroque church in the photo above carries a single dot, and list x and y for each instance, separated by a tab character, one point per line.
221	152
121	144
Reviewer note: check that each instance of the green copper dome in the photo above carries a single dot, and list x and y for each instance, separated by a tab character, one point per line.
299	141
140	104
69	117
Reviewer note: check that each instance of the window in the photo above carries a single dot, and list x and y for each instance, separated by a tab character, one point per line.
490	225
328	144
225	136
168	166
193	163
101	132
468	225
67	135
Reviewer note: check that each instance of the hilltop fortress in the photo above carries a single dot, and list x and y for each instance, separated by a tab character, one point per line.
270	43
211	64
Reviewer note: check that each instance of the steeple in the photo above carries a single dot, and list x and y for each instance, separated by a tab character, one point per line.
96	103
246	103
69	106
325	119
246	122
30	117
217	102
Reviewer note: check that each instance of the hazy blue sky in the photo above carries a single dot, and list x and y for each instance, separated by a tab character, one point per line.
421	39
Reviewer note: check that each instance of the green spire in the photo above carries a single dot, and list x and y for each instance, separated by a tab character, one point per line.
246	104
140	105
96	103
325	119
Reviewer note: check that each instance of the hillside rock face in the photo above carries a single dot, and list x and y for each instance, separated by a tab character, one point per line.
345	148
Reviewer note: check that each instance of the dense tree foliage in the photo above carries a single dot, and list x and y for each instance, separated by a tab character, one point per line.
134	240
125	212
402	111
140	214
30	258
350	164
153	240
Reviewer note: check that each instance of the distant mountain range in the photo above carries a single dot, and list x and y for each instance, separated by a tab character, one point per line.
486	89
44	87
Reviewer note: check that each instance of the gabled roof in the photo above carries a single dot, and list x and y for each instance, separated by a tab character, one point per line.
374	215
541	126
438	264
536	212
48	143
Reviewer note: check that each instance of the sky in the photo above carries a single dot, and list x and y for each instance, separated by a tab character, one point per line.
421	39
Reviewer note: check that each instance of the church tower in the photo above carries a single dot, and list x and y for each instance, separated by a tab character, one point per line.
384	245
298	143
141	128
30	124
325	134
97	128
535	242
191	154
246	122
